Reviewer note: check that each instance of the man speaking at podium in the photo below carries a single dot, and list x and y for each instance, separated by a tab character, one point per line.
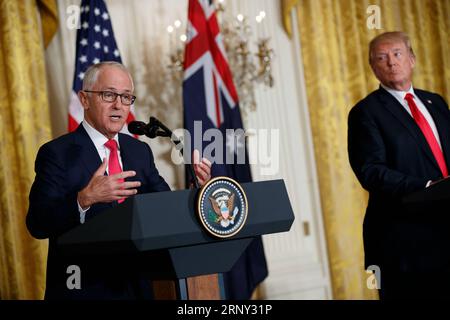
399	143
87	171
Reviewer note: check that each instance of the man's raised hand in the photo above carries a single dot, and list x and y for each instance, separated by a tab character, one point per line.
103	188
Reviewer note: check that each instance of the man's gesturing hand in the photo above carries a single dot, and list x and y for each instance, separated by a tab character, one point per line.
103	188
202	168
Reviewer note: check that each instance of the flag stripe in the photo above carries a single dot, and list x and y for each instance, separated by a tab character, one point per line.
216	98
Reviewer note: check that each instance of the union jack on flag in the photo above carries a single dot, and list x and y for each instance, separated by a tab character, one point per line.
95	43
205	50
209	96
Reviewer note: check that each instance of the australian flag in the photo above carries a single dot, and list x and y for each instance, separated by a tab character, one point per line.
210	98
95	43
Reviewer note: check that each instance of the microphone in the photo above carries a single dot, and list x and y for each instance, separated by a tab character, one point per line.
152	130
137	127
155	128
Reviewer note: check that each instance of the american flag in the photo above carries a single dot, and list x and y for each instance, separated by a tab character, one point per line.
209	96
95	43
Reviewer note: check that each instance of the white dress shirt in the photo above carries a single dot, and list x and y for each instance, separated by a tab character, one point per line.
400	96
99	141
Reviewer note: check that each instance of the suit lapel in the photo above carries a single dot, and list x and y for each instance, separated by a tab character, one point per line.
91	161
87	150
124	154
440	120
393	106
132	162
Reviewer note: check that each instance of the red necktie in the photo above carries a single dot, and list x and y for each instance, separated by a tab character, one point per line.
113	163
428	133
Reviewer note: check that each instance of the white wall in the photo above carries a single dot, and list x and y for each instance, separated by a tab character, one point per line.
298	266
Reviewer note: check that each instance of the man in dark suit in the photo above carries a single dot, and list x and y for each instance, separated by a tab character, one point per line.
80	174
399	143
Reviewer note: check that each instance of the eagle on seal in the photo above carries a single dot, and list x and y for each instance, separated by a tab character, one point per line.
223	209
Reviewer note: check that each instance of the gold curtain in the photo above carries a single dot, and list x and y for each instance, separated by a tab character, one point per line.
24	126
334	37
49	18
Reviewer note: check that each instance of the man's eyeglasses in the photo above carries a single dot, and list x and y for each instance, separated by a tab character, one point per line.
110	96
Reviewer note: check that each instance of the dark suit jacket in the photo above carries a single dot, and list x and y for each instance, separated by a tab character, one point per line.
391	158
63	167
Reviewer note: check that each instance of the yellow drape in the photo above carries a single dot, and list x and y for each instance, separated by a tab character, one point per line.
286	7
334	37
24	126
49	17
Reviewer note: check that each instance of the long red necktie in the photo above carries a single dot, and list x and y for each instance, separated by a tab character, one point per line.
113	163
428	133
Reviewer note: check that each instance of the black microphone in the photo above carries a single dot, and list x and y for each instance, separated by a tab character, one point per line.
137	127
156	128
152	130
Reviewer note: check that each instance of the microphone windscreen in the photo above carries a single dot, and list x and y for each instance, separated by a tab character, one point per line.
137	127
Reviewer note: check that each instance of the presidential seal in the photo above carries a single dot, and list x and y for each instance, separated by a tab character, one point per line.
222	207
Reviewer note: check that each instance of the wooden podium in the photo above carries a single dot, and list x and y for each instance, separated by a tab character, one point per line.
162	231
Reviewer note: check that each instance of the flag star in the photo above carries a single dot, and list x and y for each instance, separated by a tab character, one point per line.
116	53
105	32
97	45
85	25
105	16
97	28
97	11
105	49
81	75
84	42
86	8
96	60
82	9
83	59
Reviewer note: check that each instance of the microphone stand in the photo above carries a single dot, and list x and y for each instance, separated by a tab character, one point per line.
158	129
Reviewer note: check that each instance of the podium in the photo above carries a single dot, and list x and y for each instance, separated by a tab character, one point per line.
163	228
435	198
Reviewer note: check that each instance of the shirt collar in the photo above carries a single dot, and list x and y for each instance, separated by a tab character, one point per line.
97	138
399	95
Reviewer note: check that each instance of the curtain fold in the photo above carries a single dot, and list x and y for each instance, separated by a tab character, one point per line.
286	7
24	126
334	39
49	19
